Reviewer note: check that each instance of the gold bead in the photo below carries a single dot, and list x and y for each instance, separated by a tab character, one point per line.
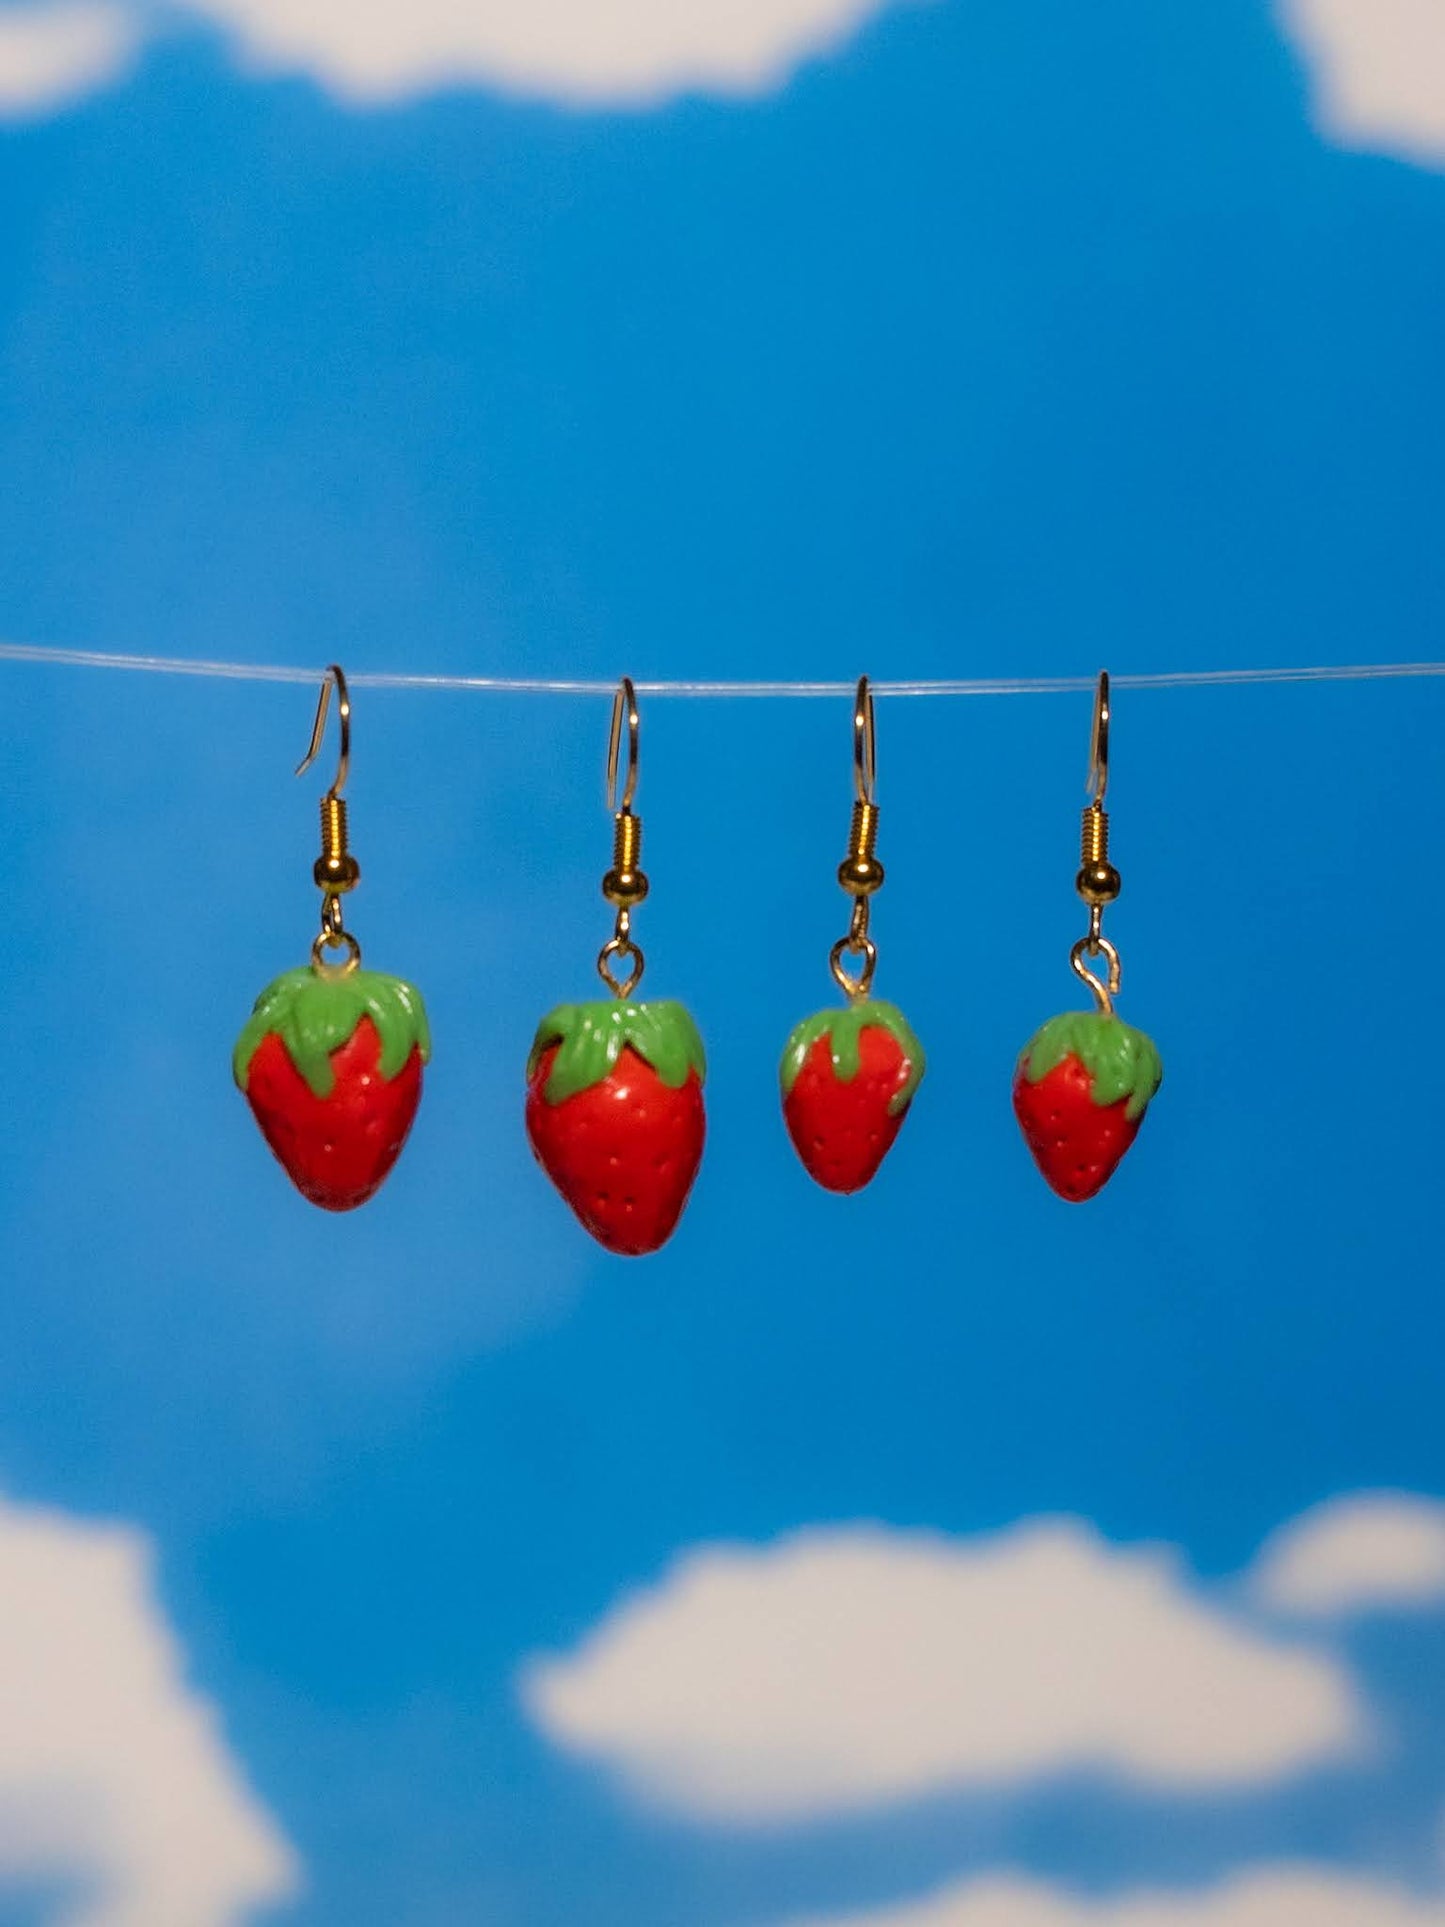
336	872
624	887
1098	883
860	875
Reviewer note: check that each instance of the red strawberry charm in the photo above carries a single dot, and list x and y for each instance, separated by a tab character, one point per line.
615	1116
331	1065
848	1078
1081	1090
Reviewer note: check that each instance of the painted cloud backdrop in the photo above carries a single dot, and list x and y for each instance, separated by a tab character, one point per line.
630	52
853	1668
1377	65
113	1774
946	1557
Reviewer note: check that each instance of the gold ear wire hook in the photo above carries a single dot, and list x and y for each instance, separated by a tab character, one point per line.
1098	783
865	744
625	884
624	704
336	870
860	872
334	675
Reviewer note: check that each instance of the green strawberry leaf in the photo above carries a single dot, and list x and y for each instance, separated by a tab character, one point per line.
593	1036
315	1014
1122	1063
844	1029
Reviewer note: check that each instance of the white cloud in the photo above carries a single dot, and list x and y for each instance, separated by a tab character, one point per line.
1368	1551
1378	68
51	55
1271	1897
113	1773
615	52
843	1668
590	53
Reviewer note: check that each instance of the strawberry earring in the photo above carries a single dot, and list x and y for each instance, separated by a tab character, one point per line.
331	1060
614	1089
849	1075
1085	1080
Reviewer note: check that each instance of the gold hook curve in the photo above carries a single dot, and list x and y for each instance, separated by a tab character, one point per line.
334	675
1105	989
624	704
1099	743
865	744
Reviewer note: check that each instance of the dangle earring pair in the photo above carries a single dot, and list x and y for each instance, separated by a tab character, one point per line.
615	1110
1082	1083
331	1059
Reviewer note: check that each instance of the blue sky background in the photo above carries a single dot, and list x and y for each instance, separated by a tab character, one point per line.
1003	341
